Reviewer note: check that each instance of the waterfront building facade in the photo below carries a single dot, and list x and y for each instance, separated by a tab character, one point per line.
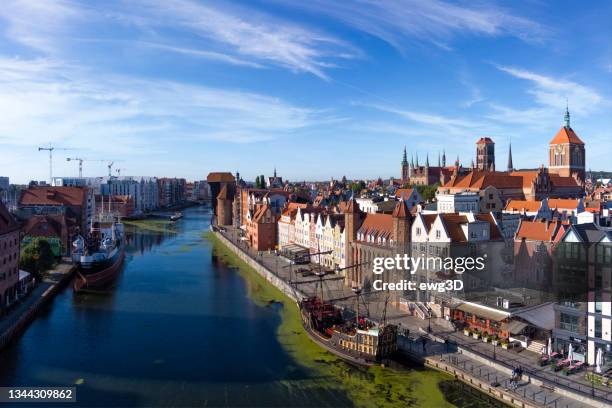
9	257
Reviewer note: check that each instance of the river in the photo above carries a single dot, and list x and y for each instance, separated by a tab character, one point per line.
187	325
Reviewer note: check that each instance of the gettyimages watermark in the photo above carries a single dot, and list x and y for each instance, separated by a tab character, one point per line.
412	265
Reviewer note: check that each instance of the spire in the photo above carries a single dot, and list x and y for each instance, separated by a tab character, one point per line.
567	115
510	166
427	160
439	158
274	171
417	160
411	161
472	164
405	158
444	157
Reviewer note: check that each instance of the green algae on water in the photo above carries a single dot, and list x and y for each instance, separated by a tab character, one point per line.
366	387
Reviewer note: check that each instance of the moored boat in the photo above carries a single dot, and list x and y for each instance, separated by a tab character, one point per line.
176	216
359	342
99	256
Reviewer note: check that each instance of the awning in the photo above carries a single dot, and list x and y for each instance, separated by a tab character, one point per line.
483	312
23	275
514	327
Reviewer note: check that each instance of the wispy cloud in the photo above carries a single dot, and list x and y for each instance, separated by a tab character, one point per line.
249	34
552	92
549	98
238	36
44	100
399	22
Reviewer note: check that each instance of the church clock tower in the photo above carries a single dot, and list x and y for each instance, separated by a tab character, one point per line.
566	153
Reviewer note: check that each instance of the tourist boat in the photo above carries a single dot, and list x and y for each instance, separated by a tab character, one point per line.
99	256
176	216
359	342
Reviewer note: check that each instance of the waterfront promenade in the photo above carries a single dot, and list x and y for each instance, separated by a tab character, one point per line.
26	309
541	386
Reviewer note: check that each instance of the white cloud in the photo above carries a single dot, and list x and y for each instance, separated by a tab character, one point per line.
553	92
46	101
400	21
231	35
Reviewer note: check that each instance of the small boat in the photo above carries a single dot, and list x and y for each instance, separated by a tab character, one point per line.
176	216
99	256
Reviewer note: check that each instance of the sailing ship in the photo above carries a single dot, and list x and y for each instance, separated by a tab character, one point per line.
358	341
100	254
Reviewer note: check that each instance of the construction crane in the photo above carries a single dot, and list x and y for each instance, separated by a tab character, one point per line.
50	149
81	160
110	167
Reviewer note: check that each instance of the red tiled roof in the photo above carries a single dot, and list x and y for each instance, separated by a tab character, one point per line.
406	192
539	230
7	222
453	222
566	135
401	210
53	196
377	223
563	203
46	226
523	205
220	177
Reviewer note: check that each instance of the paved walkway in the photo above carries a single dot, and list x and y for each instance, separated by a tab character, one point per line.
334	288
24	304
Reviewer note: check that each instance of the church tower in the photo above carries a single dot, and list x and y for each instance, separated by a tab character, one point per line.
566	153
485	154
404	172
510	165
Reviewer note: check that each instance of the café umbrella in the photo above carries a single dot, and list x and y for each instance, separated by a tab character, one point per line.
570	353
549	349
598	361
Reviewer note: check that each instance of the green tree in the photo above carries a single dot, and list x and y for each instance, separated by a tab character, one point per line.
428	192
36	257
257	182
357	186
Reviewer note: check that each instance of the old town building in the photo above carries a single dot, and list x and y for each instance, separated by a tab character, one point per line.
567	153
261	228
485	154
76	204
9	257
224	206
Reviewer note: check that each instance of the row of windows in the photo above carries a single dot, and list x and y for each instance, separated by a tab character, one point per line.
11	272
9	243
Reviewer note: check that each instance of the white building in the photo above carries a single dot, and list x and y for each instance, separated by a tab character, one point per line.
460	202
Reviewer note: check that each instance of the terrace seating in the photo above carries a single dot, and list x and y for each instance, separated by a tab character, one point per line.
560	365
574	368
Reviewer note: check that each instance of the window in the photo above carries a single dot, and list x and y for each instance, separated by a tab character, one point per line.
438	234
418	231
568	322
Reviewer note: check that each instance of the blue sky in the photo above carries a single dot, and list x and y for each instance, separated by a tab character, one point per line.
317	89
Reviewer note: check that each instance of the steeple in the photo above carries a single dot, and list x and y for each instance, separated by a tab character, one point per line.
444	158
274	171
439	158
427	160
417	160
510	166
567	116
405	158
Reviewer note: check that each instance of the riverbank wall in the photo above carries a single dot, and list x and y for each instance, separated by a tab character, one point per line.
60	277
289	291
